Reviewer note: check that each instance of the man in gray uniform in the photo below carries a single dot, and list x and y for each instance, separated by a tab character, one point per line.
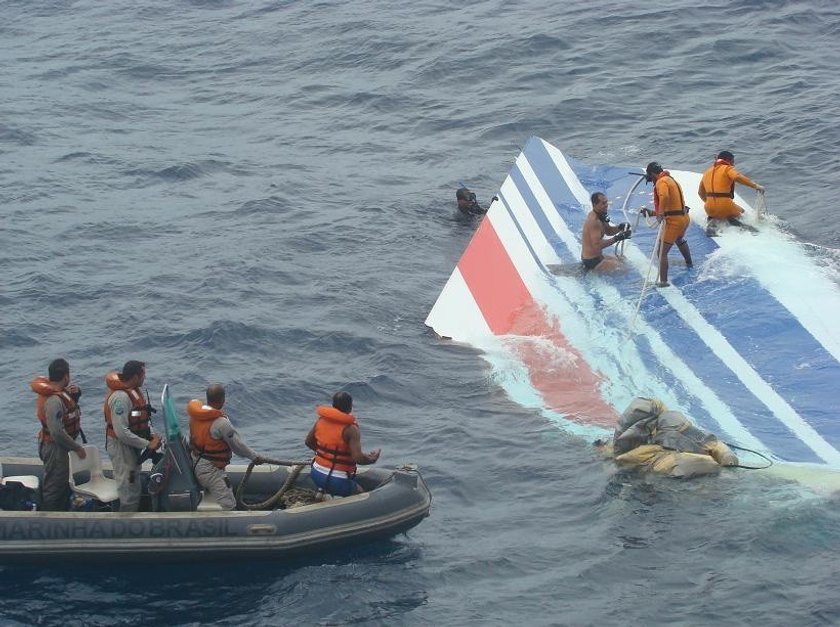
128	430
58	411
213	440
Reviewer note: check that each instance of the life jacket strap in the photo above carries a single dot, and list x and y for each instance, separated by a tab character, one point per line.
221	456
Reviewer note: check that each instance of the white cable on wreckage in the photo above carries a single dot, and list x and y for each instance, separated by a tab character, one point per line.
657	247
619	248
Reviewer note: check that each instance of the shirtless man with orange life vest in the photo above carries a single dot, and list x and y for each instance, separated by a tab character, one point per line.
595	228
57	410
717	190
213	441
337	442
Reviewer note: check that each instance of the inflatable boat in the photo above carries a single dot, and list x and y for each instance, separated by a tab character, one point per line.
181	524
746	342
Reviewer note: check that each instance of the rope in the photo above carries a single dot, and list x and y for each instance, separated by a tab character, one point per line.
760	206
749	450
647	280
270	502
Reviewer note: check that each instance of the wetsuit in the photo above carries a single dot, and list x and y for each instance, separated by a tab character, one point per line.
473	209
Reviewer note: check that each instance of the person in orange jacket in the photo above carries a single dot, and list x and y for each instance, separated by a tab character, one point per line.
717	191
57	409
669	207
213	442
337	442
128	430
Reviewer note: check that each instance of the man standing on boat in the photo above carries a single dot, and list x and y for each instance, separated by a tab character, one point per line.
337	442
717	190
57	409
669	208
213	440
595	228
128	430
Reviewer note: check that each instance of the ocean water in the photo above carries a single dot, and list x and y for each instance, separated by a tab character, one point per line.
262	194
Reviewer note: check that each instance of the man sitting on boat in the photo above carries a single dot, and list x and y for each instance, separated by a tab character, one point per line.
57	408
651	437
213	440
337	442
595	228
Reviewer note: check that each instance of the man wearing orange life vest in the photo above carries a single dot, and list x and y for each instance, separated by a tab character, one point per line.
717	190
128	430
213	440
337	442
57	410
669	207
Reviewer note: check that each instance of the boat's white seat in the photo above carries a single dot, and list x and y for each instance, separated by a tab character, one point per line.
86	476
29	481
208	503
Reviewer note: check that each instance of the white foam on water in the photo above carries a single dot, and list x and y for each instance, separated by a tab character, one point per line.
783	266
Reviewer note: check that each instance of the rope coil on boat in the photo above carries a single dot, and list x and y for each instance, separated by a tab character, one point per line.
272	501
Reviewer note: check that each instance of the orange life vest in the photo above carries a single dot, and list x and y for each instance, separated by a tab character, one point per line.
718	180
138	417
72	416
201	442
676	203
331	450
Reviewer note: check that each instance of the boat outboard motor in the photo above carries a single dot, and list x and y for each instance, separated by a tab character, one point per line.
172	483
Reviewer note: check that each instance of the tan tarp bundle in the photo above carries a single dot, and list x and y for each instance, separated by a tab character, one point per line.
651	437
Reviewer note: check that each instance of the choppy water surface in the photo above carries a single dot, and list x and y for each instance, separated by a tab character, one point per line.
262	194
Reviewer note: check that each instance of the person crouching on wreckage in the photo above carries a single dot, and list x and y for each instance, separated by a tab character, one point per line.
651	437
213	440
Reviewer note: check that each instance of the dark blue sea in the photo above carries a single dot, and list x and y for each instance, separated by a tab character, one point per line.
262	194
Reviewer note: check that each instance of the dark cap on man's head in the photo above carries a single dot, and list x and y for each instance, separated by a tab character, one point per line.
653	168
462	194
652	171
728	156
131	369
